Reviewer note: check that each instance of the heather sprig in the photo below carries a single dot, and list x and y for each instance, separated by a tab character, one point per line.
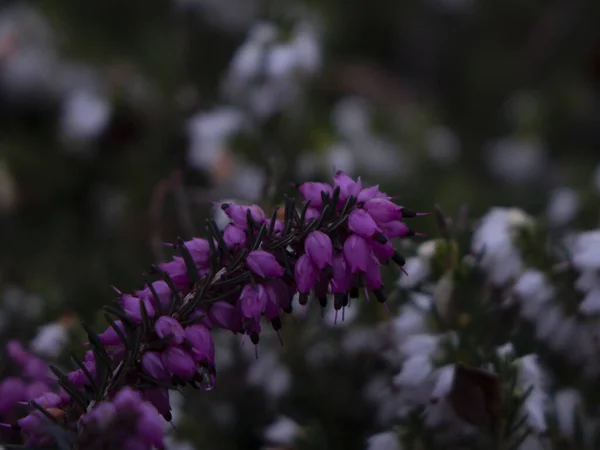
159	338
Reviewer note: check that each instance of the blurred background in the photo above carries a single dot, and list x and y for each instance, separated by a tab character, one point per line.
120	123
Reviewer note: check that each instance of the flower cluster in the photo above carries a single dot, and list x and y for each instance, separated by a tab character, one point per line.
159	337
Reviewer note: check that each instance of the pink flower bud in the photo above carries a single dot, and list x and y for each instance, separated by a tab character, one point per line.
203	346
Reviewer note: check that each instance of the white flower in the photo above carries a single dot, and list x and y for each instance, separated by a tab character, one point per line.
566	404
516	160
209	133
283	431
85	115
268	373
443	145
416	271
50	340
586	250
494	237
383	441
562	206
531	376
415	370
533	291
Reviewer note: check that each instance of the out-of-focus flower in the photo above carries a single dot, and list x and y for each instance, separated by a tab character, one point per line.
562	206
494	238
516	160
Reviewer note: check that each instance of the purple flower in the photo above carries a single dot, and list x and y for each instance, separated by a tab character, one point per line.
167	325
312	192
311	214
132	306
383	210
238	214
234	236
152	364
357	253
162	289
110	337
225	315
264	264
253	301
179	362
396	229
306	274
12	391
199	250
373	274
278	296
150	426
361	223
203	346
318	246
348	187
79	378
368	193
342	277
383	252
159	398
177	270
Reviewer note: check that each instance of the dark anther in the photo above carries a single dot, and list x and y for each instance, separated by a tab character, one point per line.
338	300
354	292
224	206
408	213
323	302
379	237
303	299
379	295
255	338
346	300
276	323
288	309
398	259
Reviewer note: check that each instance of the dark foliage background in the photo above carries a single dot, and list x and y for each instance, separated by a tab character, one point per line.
76	218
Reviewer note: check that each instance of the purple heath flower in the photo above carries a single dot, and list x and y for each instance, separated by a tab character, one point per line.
264	264
179	362
342	277
167	325
312	192
132	306
152	364
306	274
396	229
238	214
368	193
383	210
12	391
253	301
234	236
373	274
383	252
110	336
225	315
318	246
361	223
348	187
357	253
203	346
159	398
200	251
